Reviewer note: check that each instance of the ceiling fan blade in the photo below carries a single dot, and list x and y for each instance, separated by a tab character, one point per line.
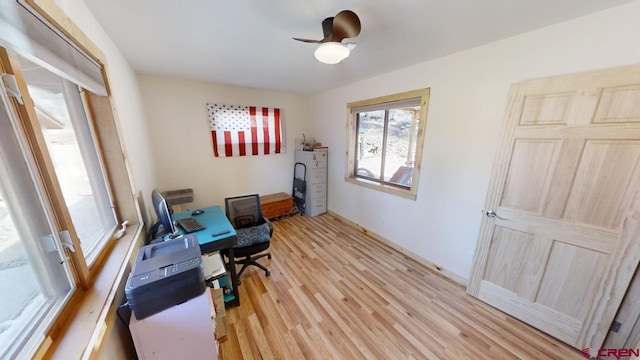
346	24
308	40
327	27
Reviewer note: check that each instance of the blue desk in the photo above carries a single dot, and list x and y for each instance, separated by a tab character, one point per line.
214	220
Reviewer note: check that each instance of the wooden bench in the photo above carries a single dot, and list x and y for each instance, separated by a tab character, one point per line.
276	205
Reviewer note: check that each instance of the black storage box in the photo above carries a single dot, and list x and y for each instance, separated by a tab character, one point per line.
165	274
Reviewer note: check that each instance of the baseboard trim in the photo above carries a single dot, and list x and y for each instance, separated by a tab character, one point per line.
431	265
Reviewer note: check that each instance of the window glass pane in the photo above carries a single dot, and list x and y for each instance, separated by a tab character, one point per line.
385	137
370	135
60	111
400	146
34	281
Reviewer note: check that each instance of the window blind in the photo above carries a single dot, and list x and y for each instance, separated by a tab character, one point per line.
387	106
25	32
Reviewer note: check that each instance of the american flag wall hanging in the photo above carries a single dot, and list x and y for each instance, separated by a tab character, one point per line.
245	130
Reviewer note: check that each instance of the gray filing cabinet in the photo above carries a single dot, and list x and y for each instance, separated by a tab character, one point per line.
316	196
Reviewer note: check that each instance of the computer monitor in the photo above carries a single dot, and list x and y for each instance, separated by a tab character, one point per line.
162	210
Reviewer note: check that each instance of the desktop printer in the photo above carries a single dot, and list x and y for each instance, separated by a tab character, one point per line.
165	274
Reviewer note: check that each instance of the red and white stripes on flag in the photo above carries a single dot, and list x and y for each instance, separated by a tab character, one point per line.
245	130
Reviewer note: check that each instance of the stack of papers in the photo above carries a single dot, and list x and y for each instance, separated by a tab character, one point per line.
213	265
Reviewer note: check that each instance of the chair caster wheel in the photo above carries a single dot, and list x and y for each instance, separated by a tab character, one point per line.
269	256
267	273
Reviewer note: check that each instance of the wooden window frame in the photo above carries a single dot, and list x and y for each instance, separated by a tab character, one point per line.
98	293
101	113
352	122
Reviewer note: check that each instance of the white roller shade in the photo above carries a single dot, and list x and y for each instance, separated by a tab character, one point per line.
24	32
387	106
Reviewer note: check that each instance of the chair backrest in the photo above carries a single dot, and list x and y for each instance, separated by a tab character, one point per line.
244	211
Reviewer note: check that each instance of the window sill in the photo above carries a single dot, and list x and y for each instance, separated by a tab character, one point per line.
408	194
90	314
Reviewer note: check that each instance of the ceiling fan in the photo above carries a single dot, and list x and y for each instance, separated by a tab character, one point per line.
332	50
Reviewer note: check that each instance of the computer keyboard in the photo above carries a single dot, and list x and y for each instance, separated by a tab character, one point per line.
190	225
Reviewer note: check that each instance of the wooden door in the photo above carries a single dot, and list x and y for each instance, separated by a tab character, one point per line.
565	243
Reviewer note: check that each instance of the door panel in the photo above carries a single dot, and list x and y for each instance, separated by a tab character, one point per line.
561	326
545	109
600	200
565	186
509	250
619	105
515	261
530	168
569	159
562	288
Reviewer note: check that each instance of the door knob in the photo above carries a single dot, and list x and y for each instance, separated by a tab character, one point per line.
492	214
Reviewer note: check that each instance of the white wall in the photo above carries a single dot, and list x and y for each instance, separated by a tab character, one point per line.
468	97
182	143
125	98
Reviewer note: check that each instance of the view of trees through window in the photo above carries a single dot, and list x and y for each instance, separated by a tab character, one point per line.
386	145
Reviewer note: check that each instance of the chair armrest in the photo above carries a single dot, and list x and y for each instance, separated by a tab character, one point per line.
270	225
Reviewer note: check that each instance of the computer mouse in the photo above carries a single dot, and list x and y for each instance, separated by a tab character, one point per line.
197	212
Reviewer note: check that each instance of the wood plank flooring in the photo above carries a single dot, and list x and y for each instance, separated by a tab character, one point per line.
336	293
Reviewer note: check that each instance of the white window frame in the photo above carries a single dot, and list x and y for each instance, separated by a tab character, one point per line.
47	305
93	162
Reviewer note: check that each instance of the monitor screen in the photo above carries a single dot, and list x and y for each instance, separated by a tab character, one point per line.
162	210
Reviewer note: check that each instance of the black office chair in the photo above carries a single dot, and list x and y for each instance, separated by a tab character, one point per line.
253	230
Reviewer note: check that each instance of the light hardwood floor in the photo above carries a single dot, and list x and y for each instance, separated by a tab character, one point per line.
336	293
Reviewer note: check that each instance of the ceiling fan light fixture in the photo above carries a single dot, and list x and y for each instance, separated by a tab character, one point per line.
331	52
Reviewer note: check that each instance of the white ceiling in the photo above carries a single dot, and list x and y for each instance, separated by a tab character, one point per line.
248	43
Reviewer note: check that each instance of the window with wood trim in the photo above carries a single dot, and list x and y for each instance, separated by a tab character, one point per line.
59	156
71	143
385	142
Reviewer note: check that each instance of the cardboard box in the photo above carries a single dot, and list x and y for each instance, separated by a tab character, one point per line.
221	318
